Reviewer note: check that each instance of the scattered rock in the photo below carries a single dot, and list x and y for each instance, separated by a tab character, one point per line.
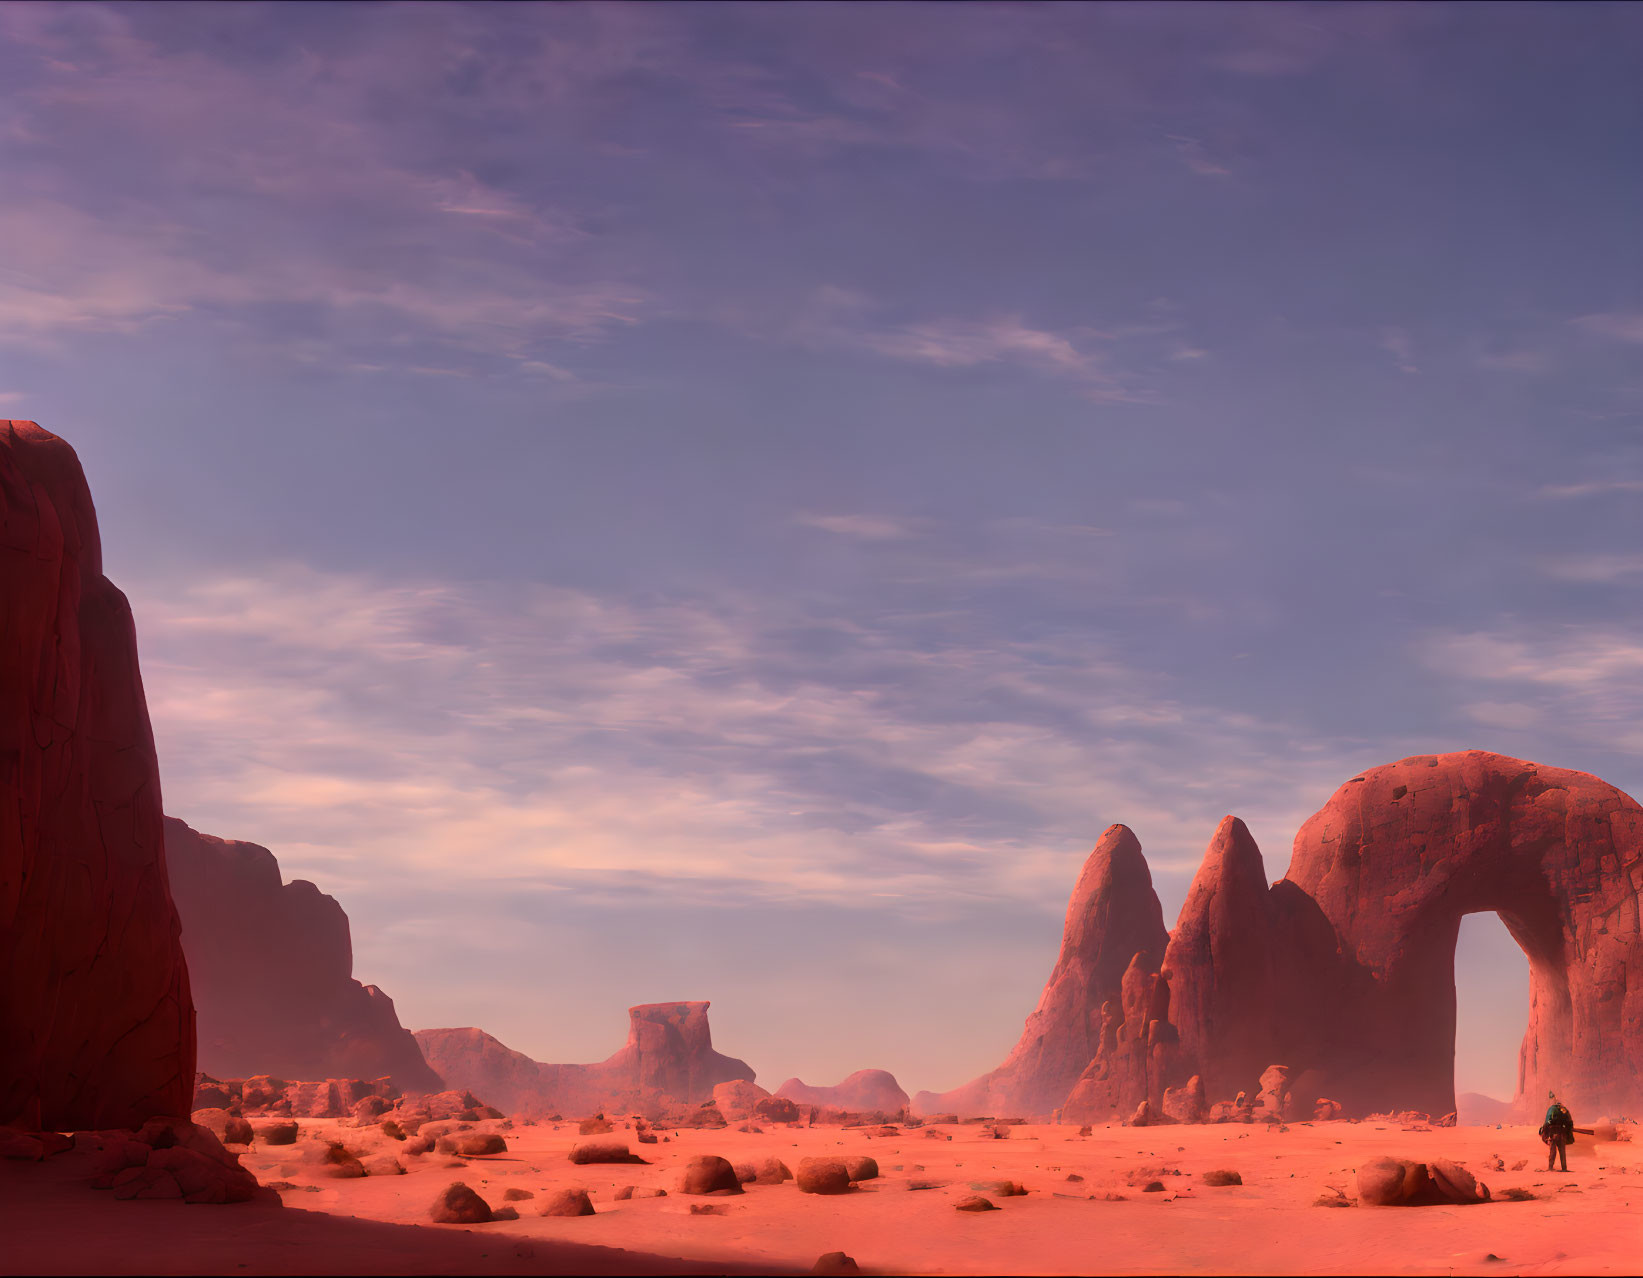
1222	1177
709	1174
975	1202
573	1201
596	1126
1002	1188
861	1167
504	1213
517	1195
459	1205
384	1165
473	1145
834	1262
1153	1187
772	1171
602	1151
823	1176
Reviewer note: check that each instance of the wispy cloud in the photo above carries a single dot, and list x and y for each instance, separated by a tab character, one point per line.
1595	568
1592	488
1565	683
1397	343
555	737
865	527
1620	326
276	189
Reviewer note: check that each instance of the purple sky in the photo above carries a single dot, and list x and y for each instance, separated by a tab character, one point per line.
650	502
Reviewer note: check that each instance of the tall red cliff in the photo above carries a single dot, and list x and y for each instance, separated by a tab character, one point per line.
272	965
1113	916
96	1020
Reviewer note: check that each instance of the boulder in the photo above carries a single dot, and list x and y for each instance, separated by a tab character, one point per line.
709	1174
771	1171
602	1151
776	1109
1390	1182
823	1176
477	1144
860	1167
572	1201
383	1165
737	1098
834	1262
226	1127
975	1202
459	1205
1186	1104
1222	1176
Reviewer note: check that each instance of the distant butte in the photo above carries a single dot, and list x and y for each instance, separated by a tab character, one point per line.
272	967
667	1061
865	1091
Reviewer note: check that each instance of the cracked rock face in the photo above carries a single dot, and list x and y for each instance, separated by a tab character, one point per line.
95	1013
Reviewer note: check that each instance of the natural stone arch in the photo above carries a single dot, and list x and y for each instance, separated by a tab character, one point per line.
1344	969
1400	854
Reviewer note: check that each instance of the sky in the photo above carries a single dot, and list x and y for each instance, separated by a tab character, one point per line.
651	502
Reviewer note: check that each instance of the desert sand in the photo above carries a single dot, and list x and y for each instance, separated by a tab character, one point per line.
1588	1220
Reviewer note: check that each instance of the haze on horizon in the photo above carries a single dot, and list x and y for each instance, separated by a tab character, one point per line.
729	502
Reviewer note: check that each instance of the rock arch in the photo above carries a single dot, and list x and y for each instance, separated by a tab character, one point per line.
1343	970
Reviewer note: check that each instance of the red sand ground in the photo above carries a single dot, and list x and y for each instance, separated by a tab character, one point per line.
1584	1222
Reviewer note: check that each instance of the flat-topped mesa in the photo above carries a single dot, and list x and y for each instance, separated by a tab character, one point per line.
867	1091
96	1020
272	965
1113	916
667	1061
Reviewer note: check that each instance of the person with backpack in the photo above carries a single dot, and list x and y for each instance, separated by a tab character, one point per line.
1558	1131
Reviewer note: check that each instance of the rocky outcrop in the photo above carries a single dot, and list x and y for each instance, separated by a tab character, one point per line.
1113	917
272	966
1333	989
867	1091
1396	858
96	1021
667	1061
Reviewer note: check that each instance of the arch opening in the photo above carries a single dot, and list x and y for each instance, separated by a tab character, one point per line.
1491	1016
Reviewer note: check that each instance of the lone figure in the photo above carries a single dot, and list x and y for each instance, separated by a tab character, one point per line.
1558	1131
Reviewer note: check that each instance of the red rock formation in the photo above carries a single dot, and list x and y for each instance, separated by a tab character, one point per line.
272	967
1339	978
1396	858
867	1091
1113	916
667	1060
96	1023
